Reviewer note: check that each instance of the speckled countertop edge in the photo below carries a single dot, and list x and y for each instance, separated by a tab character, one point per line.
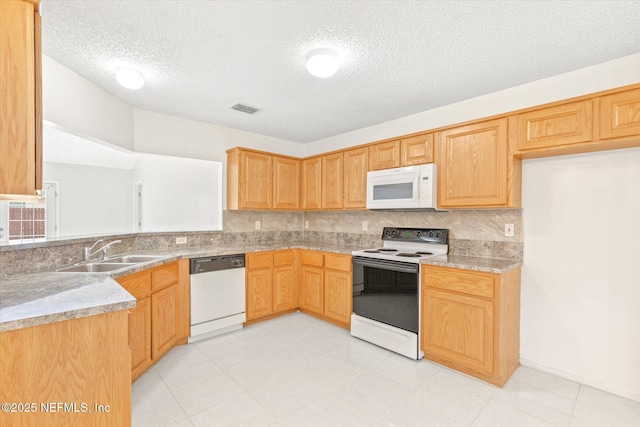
488	265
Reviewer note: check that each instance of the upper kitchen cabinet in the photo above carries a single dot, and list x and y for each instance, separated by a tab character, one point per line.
20	99
356	166
312	183
332	181
476	168
554	126
620	115
385	155
249	179
417	150
286	183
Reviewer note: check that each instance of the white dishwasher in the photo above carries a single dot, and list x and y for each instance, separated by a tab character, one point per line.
217	295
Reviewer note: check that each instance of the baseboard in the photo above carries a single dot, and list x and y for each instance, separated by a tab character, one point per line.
589	381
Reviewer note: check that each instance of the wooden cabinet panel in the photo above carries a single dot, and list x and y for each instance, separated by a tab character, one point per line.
312	258
164	314
385	155
337	296
356	166
140	337
559	125
256	185
472	283
620	115
312	183
337	262
417	150
281	258
332	181
312	289
459	329
259	299
473	165
137	284
20	99
286	183
285	284
163	276
259	260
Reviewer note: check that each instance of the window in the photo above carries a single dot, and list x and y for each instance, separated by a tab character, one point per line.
27	222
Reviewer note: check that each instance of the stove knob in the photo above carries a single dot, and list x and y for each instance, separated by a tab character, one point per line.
438	235
431	234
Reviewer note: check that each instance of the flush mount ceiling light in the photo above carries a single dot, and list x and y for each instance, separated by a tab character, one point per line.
129	78
322	63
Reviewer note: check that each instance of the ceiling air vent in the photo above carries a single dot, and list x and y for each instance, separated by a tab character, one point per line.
245	108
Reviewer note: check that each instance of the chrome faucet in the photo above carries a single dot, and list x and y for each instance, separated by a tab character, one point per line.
87	254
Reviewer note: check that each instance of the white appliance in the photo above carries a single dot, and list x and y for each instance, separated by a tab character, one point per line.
217	295
386	288
411	187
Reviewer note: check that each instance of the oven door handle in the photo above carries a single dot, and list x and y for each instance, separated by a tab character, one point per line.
403	267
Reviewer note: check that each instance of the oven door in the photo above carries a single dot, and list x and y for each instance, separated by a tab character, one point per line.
387	292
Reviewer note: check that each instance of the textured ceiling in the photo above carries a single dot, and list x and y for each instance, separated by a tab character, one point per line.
398	57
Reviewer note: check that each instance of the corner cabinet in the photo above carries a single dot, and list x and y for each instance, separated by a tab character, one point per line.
476	168
20	99
471	321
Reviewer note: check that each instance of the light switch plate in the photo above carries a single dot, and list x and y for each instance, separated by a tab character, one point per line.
181	240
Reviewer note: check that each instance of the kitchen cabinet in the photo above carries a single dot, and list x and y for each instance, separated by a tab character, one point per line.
286	183
476	168
311	282
620	115
356	166
271	285
471	321
417	150
160	320
384	155
83	360
249	179
312	183
555	126
332	181
20	99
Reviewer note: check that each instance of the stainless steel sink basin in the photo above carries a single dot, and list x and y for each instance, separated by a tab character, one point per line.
136	259
95	267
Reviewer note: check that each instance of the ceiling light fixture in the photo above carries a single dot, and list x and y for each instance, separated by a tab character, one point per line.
322	63
129	78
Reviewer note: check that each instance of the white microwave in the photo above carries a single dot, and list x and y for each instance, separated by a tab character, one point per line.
412	187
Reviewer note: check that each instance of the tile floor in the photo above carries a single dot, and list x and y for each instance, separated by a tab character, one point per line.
299	371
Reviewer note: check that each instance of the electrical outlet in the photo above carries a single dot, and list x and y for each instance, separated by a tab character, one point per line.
364	225
509	230
181	240
306	224
257	225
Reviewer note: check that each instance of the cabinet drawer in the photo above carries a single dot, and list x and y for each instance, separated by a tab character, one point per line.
164	276
463	281
283	258
337	262
311	258
259	260
137	284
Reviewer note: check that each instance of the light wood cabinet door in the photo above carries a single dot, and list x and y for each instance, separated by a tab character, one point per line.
620	115
285	296
259	284
560	125
286	183
140	337
164	315
20	99
385	155
458	328
473	165
312	183
312	289
332	181
417	150
356	166
256	186
337	296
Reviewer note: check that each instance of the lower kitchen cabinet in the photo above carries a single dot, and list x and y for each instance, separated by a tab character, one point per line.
160	320
285	295
471	321
311	283
270	283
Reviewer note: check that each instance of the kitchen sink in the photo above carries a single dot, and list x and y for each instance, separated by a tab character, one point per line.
95	267
135	259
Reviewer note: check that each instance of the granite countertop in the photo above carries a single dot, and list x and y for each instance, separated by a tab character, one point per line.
46	297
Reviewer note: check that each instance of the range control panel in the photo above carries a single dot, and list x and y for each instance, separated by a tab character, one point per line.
431	235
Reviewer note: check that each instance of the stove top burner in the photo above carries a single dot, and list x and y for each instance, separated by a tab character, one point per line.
408	255
424	253
387	250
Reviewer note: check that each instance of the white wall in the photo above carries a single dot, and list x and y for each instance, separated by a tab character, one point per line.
608	75
179	193
78	105
581	273
92	200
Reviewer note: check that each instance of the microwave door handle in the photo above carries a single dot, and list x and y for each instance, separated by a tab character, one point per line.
387	265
